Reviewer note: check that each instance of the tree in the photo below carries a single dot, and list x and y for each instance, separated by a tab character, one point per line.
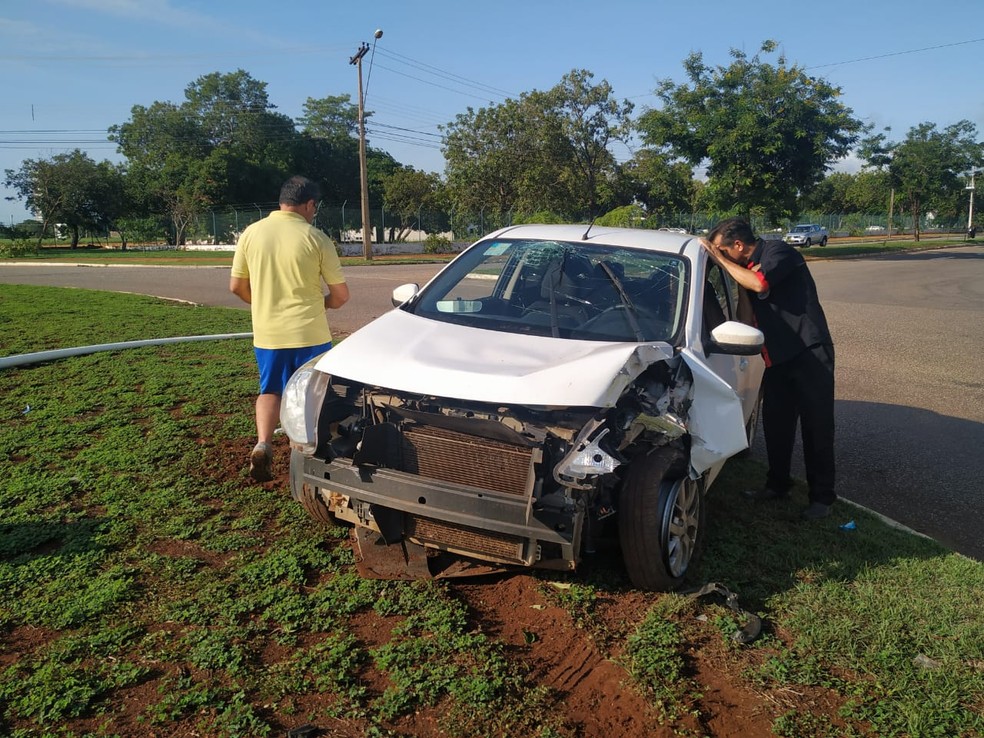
328	150
256	144
666	188
590	120
408	192
334	118
71	190
865	192
487	152
222	144
927	166
546	151
767	133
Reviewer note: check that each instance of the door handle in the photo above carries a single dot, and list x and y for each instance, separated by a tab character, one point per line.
742	364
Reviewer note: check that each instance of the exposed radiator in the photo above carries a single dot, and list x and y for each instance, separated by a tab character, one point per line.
462	539
458	458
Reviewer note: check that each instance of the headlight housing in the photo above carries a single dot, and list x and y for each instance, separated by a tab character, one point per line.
585	458
301	405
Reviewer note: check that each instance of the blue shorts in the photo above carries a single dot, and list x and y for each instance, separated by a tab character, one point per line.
276	365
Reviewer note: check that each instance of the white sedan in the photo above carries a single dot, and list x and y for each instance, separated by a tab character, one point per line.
548	379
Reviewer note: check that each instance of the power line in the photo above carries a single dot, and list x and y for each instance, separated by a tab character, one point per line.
450	76
410	130
896	53
434	84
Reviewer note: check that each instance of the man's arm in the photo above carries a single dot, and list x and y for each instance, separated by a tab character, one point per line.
338	295
747	278
239	286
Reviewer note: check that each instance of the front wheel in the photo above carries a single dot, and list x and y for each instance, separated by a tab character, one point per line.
807	244
306	494
661	521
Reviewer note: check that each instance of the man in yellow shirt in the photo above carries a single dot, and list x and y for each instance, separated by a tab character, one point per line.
279	267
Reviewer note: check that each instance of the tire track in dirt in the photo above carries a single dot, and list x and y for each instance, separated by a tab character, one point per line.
593	693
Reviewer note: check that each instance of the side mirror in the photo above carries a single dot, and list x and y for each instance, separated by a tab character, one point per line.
403	293
736	338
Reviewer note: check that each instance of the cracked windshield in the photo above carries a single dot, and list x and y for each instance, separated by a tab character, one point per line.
561	289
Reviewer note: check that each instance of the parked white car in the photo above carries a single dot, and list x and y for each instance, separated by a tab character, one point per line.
549	379
806	235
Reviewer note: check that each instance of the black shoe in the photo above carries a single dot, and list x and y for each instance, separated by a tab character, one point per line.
763	494
815	511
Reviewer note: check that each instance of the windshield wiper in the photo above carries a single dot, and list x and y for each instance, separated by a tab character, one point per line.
630	309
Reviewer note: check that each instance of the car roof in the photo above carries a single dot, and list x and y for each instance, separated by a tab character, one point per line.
634	238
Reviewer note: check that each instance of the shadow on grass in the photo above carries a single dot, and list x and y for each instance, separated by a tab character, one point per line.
23	542
763	549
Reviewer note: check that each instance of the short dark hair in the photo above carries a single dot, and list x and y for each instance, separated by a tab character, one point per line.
731	230
298	190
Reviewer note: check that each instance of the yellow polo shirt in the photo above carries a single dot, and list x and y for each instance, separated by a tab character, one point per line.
285	260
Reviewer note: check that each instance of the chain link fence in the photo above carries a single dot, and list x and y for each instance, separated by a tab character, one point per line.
222	226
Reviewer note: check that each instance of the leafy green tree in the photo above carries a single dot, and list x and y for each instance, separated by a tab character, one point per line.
546	151
333	118
487	152
830	195
589	120
869	192
71	190
329	147
666	188
866	192
767	133
927	167
223	144
255	143
408	193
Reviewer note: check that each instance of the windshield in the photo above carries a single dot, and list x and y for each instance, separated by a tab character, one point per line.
568	290
801	229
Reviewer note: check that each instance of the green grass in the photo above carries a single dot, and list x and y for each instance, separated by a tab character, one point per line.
180	257
872	247
132	561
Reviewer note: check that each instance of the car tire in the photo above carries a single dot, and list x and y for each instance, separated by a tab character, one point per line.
661	521
306	494
823	241
807	244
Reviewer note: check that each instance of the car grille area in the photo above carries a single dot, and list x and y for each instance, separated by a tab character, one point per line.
459	458
463	539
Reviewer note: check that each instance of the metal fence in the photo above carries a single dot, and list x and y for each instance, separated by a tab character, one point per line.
344	223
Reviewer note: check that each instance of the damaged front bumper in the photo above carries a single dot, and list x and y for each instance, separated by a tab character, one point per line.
491	526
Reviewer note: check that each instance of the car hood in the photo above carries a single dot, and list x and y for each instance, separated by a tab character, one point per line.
405	352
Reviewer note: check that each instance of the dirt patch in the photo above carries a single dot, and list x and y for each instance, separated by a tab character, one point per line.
594	692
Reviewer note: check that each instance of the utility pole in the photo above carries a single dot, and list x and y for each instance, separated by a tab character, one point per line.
971	231
363	172
891	211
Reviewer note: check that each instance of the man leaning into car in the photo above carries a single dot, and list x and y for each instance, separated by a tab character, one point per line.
799	355
278	268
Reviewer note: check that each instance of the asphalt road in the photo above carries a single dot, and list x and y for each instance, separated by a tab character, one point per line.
908	329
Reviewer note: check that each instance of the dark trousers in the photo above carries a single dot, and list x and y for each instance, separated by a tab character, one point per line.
801	389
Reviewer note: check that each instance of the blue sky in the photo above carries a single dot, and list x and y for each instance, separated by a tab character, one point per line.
72	68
